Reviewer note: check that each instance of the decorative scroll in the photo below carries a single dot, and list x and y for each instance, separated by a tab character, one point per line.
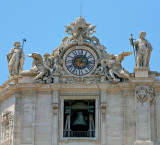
55	108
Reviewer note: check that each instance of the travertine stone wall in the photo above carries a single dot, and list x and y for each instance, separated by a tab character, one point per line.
28	117
43	118
8	103
38	113
158	116
153	121
129	118
17	118
115	119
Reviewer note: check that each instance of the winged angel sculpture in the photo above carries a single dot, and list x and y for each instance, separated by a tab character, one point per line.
41	67
112	67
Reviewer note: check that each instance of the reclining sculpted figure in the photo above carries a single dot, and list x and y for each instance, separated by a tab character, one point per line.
41	67
113	69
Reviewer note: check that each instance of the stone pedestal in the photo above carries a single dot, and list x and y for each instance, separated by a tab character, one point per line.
141	72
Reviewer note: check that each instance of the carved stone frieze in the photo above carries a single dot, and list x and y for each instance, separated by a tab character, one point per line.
87	80
143	93
7	126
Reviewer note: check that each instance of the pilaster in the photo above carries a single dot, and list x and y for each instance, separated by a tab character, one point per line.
28	117
17	119
55	117
129	118
158	116
103	116
142	106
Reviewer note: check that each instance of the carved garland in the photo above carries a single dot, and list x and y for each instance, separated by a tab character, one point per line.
143	92
7	126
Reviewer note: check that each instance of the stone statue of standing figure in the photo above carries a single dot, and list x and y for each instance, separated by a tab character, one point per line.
143	50
15	59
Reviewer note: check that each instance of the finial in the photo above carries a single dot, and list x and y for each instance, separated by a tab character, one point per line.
80	11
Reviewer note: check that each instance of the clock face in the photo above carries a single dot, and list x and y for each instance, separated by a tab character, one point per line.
80	62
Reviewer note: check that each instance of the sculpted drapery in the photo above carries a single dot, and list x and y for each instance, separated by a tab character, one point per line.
143	51
15	59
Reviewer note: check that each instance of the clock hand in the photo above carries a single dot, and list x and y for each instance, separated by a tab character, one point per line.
81	59
84	61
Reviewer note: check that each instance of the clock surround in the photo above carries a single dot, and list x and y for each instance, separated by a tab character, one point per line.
80	61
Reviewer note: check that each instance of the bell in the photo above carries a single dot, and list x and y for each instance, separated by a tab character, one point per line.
79	122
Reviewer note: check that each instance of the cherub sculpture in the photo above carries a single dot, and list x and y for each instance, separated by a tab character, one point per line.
15	59
113	69
41	67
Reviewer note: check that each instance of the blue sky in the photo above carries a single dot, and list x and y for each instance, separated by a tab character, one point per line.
42	22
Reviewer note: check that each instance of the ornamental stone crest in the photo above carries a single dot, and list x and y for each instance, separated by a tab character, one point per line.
143	93
7	127
80	32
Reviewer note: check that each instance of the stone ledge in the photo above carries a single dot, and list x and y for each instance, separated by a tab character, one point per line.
143	143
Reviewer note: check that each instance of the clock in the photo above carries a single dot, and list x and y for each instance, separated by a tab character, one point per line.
80	61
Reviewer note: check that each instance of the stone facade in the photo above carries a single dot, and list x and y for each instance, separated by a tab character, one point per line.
119	108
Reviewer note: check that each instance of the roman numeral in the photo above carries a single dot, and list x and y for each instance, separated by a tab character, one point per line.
85	70
70	67
85	53
80	52
80	72
89	66
91	62
74	52
69	61
70	56
74	71
90	56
